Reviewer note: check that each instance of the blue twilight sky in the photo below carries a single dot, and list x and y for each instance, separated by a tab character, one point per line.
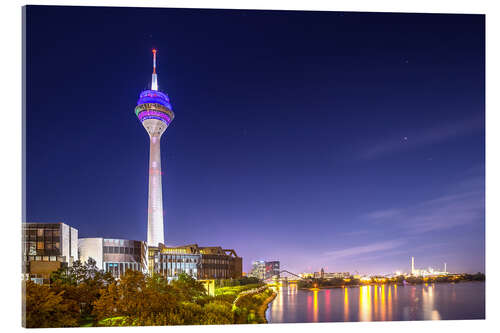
349	141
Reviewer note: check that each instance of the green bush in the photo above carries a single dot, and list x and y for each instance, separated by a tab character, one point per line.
218	313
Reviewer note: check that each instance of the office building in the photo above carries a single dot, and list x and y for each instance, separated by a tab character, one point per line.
114	255
272	269
265	270
204	263
258	269
46	248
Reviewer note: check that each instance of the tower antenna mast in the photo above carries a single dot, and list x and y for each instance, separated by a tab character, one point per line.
154	81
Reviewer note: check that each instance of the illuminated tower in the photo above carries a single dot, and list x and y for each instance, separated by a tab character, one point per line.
155	113
412	266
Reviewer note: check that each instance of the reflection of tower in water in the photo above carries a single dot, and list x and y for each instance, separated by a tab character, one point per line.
410	311
428	304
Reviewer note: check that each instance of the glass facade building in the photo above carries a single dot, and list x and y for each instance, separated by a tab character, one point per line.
264	270
205	263
272	269
46	248
258	269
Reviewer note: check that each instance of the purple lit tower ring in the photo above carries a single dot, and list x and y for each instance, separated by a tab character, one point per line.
155	113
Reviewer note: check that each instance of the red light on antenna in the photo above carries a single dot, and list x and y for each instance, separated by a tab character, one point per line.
154	50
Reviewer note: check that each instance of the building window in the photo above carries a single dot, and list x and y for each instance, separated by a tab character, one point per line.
40	233
32	248
40	246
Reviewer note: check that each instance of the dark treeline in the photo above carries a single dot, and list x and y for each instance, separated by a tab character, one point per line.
447	278
339	282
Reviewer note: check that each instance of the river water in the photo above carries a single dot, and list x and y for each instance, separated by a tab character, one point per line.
433	301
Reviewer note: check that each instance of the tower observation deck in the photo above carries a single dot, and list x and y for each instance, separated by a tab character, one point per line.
155	113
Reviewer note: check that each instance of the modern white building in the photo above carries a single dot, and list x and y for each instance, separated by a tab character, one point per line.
114	255
91	248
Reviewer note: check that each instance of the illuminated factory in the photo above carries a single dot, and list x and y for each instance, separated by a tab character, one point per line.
422	272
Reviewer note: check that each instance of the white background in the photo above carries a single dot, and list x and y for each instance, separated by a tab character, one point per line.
11	155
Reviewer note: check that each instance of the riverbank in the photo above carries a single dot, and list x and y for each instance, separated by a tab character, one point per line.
263	308
250	306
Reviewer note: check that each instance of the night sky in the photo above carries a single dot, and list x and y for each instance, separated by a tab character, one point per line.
349	141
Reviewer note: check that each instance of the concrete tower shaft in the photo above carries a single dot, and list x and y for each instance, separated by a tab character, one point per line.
155	113
155	195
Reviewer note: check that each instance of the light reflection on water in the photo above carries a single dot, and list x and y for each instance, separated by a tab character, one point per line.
378	303
365	303
389	302
315	308
346	304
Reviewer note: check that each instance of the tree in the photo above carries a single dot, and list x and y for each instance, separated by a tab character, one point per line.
188	288
46	308
248	280
82	283
138	298
81	273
